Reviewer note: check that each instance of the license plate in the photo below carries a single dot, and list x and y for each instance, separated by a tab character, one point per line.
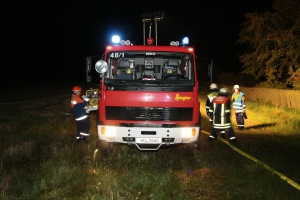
148	140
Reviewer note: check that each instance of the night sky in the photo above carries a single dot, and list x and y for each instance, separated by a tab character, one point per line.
50	41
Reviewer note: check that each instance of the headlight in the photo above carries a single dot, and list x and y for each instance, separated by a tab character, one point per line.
108	131
188	132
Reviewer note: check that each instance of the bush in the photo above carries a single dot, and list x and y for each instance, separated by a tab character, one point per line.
294	80
267	84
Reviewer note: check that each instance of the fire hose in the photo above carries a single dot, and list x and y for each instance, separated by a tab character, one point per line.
288	180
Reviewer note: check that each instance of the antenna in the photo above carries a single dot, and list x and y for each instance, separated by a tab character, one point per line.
146	17
158	15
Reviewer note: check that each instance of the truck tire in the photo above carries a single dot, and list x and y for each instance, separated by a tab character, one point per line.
106	148
197	143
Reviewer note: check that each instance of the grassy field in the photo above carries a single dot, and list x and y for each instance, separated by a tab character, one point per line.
40	160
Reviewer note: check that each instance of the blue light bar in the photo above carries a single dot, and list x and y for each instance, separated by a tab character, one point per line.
115	39
185	41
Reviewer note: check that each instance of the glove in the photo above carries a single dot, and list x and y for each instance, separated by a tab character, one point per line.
245	115
87	109
85	98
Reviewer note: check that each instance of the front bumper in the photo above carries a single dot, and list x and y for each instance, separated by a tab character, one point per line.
148	138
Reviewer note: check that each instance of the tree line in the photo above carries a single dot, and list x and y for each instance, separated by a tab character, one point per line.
272	45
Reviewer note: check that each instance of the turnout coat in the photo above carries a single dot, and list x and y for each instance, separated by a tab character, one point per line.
78	107
220	112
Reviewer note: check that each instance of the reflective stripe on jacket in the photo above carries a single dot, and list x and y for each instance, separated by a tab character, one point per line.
209	99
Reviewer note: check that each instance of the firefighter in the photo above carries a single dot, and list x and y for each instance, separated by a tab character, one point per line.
80	110
239	105
214	91
220	115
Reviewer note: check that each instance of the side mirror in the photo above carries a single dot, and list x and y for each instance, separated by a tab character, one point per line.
205	67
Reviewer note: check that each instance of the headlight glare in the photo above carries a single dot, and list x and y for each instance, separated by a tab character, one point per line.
108	131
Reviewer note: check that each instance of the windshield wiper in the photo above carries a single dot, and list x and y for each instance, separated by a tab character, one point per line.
169	89
137	86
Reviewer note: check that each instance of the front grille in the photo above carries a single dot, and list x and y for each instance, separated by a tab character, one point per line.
148	114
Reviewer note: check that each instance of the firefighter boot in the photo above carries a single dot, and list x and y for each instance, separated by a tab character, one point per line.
233	140
81	139
211	138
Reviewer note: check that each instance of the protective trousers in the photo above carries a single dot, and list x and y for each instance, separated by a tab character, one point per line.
240	120
83	127
213	133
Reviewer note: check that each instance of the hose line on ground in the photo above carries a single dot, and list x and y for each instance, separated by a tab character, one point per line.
291	182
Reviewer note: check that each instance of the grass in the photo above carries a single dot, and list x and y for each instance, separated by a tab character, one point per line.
273	136
40	160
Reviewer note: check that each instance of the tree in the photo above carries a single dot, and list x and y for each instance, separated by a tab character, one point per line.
273	41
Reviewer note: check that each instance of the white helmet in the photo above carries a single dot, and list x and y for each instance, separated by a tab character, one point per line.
223	90
236	87
213	86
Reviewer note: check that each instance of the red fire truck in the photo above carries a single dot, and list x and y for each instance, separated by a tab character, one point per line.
148	97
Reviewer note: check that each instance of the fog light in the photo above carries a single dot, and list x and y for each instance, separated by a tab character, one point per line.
186	140
110	139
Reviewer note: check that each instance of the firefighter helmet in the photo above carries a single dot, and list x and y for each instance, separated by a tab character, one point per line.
236	87
213	86
76	89
224	91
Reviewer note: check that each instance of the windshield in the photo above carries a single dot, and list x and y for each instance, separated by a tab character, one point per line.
150	68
